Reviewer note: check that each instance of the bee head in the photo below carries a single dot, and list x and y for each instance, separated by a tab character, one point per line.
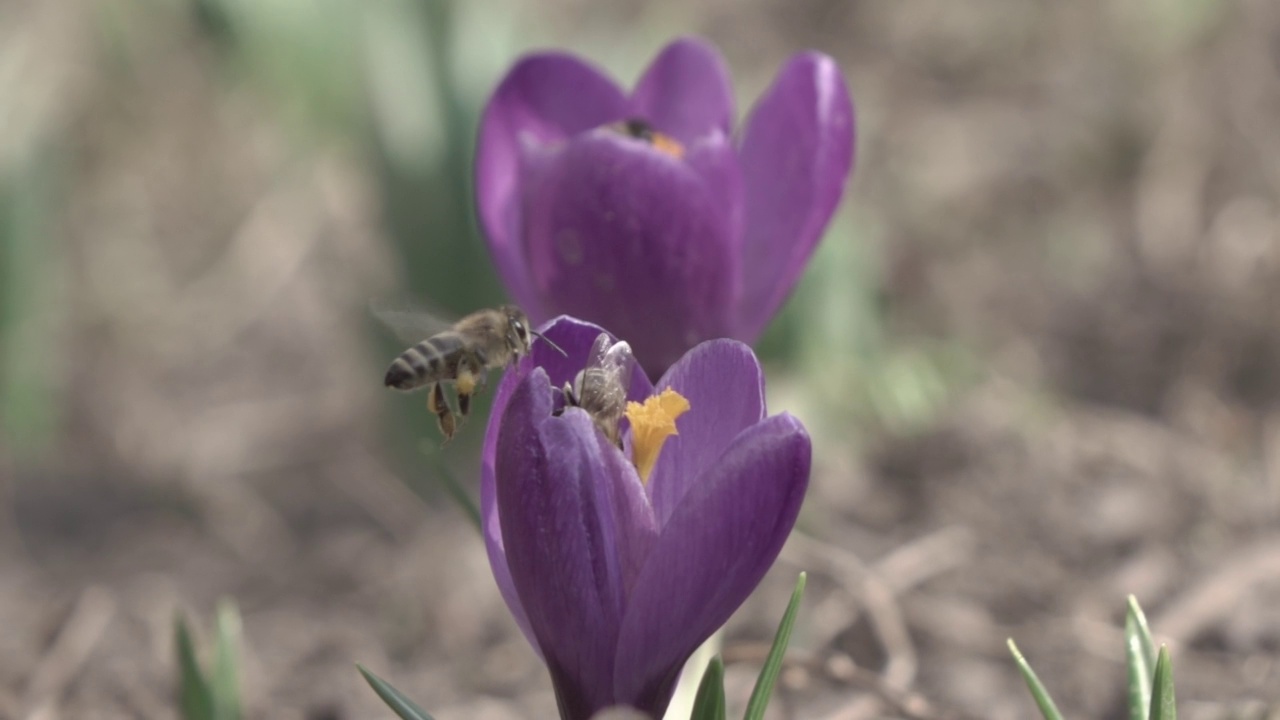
520	334
517	329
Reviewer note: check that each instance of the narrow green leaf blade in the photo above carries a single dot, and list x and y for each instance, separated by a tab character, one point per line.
1163	706
1144	632
1140	659
1047	709
194	697
225	683
403	706
773	663
709	704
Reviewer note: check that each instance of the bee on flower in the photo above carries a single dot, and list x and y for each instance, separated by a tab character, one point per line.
617	562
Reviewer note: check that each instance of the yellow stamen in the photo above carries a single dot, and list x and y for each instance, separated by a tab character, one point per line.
651	424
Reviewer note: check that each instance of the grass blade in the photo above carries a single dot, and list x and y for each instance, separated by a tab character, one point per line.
403	706
1162	700
773	663
1038	691
194	698
709	704
1140	658
225	683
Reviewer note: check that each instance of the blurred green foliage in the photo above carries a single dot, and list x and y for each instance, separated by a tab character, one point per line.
212	695
29	190
384	78
836	332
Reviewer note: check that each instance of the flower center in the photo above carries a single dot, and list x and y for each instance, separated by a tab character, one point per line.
642	130
651	424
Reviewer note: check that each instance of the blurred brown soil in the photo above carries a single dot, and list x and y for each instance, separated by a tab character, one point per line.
1084	194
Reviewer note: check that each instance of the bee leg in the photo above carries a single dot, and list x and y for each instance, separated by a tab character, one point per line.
470	380
444	416
464	404
476	367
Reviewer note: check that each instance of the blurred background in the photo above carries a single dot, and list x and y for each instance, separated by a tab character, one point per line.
1039	350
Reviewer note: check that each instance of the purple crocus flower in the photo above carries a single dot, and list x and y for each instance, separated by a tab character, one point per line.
617	574
640	212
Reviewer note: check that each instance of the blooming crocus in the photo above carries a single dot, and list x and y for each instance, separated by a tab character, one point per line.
641	212
617	568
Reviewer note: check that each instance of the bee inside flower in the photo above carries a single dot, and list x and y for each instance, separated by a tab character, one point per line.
617	562
600	390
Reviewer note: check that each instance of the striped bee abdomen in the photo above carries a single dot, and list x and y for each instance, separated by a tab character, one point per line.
429	361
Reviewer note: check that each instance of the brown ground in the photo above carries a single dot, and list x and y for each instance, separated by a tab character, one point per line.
1082	199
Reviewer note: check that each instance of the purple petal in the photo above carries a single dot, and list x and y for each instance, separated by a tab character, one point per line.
629	523
686	92
573	517
491	528
575	338
710	556
714	158
796	155
633	239
545	98
725	387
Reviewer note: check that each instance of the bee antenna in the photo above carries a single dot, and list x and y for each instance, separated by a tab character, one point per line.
547	340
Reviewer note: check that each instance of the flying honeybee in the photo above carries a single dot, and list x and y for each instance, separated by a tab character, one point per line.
600	388
462	354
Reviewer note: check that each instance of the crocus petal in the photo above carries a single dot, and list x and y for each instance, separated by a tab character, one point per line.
709	557
626	236
686	92
796	155
714	158
568	518
724	385
545	98
575	338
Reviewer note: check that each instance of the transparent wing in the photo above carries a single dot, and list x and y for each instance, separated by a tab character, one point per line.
411	321
607	374
599	348
616	363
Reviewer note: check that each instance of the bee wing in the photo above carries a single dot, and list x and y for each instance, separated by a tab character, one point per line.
599	348
615	360
411	321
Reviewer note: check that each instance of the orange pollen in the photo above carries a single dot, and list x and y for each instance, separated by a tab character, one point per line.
667	145
651	424
642	131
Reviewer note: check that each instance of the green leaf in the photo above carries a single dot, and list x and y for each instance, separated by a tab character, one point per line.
773	663
1162	701
1041	695
226	670
709	704
194	696
1140	658
403	706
